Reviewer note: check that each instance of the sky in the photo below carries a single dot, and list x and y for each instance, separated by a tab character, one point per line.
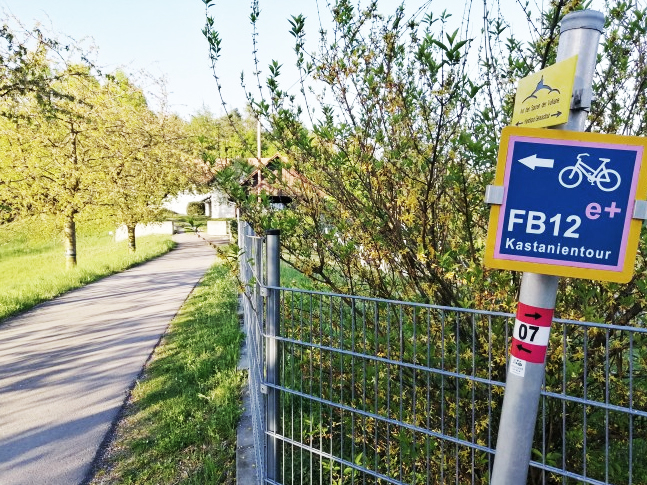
164	38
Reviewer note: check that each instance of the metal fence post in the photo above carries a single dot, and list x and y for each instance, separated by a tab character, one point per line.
241	248
258	270
580	35
272	355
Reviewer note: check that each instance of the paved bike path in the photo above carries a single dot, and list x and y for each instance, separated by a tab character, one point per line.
67	365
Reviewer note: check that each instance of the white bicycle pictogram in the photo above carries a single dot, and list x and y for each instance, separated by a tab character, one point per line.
605	178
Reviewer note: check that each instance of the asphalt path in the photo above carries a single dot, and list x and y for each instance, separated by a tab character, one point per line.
67	365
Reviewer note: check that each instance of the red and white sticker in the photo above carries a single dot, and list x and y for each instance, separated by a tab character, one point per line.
530	335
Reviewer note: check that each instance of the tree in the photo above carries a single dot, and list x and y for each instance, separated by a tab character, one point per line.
26	59
150	158
228	137
55	161
78	140
384	153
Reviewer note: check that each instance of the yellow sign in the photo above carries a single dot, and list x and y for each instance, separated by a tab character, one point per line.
544	98
567	204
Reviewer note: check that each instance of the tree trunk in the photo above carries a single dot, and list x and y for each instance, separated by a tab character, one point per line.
132	247
69	231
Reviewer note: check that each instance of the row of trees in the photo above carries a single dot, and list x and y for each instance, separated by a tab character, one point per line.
75	141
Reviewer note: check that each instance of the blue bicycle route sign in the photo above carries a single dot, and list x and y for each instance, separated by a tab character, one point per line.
568	201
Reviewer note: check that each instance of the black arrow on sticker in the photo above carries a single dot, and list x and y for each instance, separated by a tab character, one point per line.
558	114
519	123
535	315
523	349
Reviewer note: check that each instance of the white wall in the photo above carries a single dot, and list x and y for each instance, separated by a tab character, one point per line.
179	203
221	208
218	228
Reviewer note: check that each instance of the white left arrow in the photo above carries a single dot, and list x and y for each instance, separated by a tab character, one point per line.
533	161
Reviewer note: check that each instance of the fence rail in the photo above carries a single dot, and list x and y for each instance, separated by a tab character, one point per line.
372	391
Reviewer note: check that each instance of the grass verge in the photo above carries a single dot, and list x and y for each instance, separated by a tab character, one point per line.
179	426
32	268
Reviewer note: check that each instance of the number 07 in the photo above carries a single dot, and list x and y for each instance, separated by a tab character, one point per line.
523	331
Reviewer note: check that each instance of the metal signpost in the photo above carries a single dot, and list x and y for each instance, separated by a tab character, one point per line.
580	35
273	356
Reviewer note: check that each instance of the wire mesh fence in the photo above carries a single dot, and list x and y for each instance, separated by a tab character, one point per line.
375	391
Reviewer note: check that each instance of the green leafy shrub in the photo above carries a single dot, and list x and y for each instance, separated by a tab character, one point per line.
195	209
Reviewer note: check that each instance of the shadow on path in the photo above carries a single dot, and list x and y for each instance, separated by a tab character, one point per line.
66	365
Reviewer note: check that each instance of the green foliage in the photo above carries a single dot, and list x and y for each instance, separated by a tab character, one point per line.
400	140
180	426
195	209
395	136
25	68
148	157
224	138
383	155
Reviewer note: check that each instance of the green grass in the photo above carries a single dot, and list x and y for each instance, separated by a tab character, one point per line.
32	262
180	424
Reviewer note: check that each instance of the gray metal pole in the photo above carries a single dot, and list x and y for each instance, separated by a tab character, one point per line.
241	239
272	355
257	257
242	252
258	273
580	35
